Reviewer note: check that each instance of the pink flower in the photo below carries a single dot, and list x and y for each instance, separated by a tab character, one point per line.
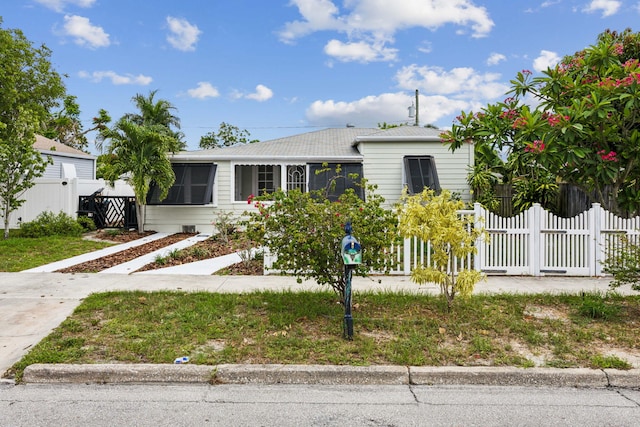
519	122
618	49
608	157
250	199
536	147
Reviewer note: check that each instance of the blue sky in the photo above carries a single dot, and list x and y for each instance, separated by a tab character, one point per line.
282	67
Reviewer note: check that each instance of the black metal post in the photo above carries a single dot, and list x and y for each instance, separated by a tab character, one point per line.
348	319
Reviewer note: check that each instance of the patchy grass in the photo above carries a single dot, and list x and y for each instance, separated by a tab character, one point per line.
306	328
20	253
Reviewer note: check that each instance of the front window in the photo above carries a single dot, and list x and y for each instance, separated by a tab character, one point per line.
193	185
297	177
333	183
420	172
256	180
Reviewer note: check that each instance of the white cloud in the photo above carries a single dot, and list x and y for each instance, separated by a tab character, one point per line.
183	35
495	58
359	51
85	33
376	22
261	94
460	83
388	107
116	79
59	5
608	7
545	60
203	91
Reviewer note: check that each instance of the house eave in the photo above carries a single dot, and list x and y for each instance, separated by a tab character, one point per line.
263	159
63	154
382	138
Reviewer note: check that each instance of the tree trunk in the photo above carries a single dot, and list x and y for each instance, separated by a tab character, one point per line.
140	216
6	220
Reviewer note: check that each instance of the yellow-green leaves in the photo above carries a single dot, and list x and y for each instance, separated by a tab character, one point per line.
451	236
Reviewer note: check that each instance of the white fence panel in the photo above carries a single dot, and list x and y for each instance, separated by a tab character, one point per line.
508	246
564	246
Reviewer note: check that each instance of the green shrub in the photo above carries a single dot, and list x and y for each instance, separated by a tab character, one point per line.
609	362
50	224
86	223
596	306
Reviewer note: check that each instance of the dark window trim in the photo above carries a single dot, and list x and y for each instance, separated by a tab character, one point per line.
425	176
183	180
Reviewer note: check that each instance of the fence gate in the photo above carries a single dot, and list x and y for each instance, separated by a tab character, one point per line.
109	211
567	245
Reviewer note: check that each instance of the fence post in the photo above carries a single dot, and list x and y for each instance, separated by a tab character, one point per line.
406	247
479	223
596	240
534	218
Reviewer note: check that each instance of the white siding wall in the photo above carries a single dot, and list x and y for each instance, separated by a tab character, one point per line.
170	219
85	168
383	165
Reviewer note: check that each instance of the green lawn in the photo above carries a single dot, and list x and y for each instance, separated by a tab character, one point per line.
306	328
18	253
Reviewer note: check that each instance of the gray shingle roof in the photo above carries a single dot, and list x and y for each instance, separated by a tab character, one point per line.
322	145
333	143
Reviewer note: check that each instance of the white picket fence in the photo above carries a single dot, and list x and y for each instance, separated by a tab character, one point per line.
535	243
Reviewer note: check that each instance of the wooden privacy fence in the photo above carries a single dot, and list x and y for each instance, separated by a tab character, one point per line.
535	242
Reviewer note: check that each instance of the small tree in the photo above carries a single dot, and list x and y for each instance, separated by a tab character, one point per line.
29	88
21	165
623	262
226	136
142	154
304	231
435	219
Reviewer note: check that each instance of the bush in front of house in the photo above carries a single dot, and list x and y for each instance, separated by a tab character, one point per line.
304	230
49	224
87	223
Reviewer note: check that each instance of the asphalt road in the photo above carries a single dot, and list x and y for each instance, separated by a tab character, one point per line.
309	405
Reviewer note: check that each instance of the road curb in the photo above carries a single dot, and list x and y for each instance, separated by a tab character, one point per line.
328	375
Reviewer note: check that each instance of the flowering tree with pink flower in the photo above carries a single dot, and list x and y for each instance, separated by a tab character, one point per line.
584	130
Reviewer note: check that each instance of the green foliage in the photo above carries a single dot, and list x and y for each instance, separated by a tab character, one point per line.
623	262
596	306
66	127
304	231
435	219
583	132
29	87
86	223
49	224
226	136
226	227
609	362
139	145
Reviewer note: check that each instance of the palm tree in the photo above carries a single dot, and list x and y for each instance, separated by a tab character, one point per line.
141	151
158	112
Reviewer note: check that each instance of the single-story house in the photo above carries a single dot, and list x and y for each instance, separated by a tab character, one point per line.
68	162
220	180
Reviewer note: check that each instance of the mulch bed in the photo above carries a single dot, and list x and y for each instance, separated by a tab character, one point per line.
210	248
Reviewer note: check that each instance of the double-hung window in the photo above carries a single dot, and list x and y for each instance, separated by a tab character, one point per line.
420	172
193	185
256	180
